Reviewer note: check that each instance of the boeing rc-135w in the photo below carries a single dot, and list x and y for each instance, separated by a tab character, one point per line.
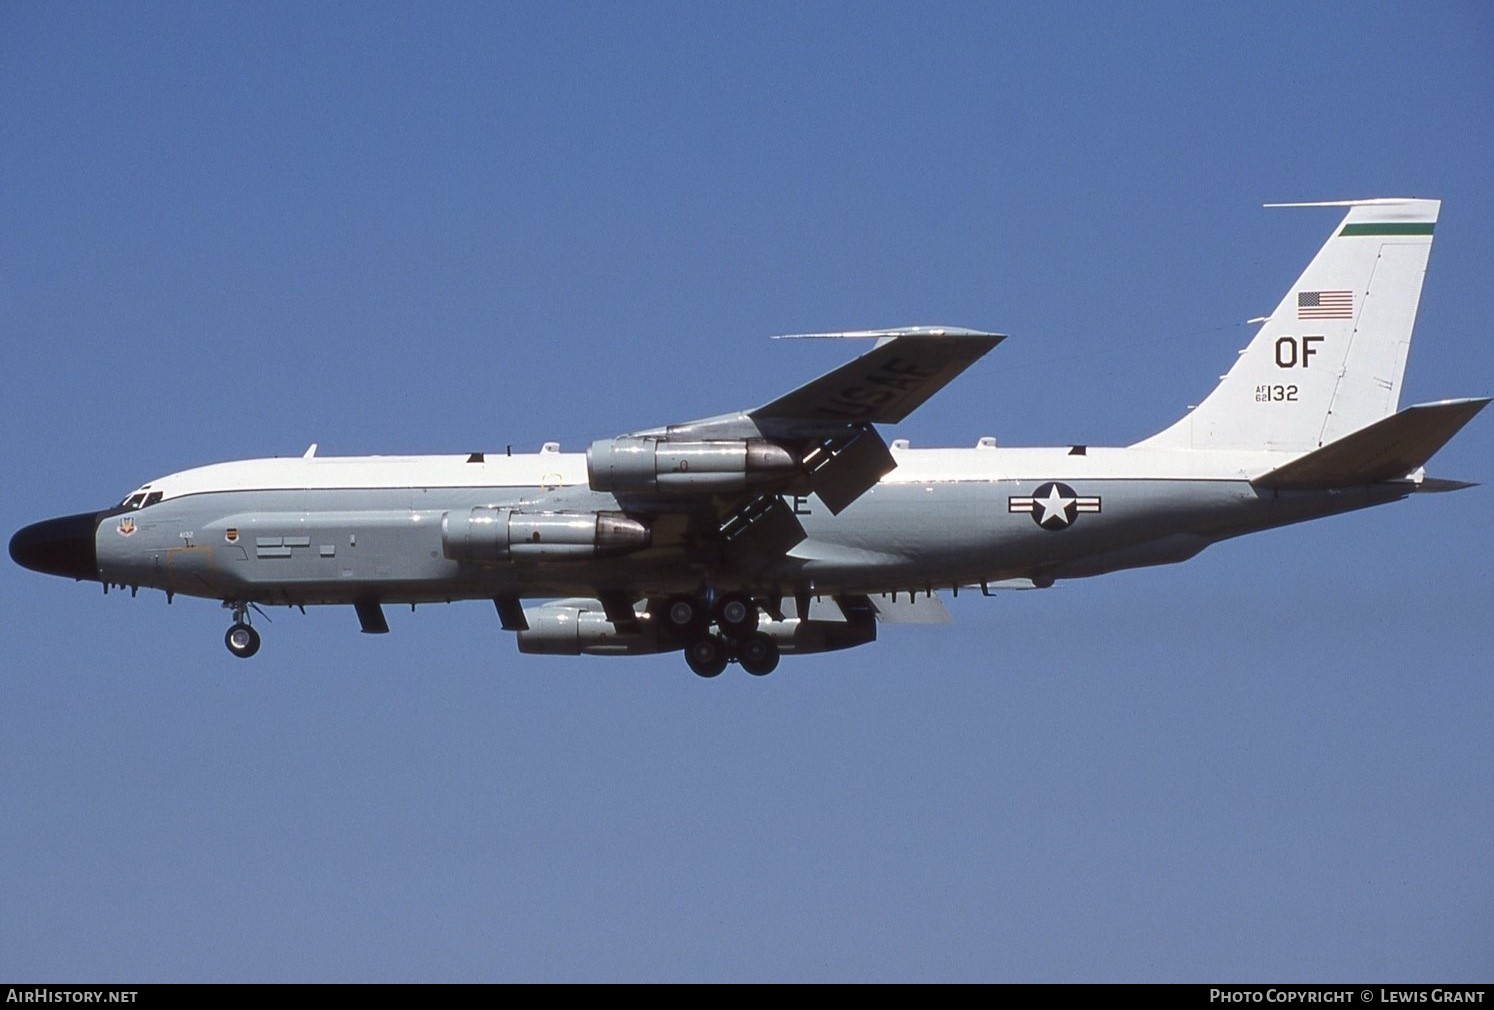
793	527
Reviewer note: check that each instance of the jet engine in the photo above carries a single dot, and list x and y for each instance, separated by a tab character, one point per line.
638	465
487	534
573	628
580	627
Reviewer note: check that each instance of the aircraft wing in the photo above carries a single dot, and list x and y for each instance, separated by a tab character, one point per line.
886	384
817	439
882	386
827	423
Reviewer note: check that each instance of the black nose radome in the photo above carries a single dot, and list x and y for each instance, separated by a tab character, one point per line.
62	546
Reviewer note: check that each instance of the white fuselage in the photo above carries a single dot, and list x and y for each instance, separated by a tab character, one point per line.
337	529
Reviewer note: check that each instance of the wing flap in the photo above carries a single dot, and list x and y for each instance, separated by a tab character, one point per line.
841	470
761	530
926	609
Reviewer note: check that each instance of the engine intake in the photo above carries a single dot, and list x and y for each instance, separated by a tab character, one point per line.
488	534
636	465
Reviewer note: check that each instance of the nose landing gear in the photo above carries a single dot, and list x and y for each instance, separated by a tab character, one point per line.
241	639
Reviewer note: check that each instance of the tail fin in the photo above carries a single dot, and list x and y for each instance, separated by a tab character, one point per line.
1329	360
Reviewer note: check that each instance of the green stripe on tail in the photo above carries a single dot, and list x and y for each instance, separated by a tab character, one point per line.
1388	228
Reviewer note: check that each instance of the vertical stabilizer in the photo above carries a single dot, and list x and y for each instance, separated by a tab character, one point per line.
1329	360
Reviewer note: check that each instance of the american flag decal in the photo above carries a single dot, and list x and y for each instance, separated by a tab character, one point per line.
1325	305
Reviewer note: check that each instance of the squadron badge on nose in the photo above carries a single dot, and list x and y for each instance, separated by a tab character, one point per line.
1054	505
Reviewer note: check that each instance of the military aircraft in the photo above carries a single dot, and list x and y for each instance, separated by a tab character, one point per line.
794	527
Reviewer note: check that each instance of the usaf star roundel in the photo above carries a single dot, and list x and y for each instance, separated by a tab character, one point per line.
1054	505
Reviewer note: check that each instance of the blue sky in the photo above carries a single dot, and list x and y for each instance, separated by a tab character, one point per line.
233	230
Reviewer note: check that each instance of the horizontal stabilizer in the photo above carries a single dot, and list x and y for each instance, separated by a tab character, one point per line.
1438	485
1389	449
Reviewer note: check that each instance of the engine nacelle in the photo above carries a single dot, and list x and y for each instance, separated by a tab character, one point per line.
799	638
560	629
488	534
575	628
635	465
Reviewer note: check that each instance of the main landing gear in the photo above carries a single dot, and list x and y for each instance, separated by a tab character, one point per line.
241	639
707	653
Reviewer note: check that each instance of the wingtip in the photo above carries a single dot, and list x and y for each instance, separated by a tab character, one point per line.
1438	485
1472	404
954	332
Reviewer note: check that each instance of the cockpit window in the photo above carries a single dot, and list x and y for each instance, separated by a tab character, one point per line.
140	499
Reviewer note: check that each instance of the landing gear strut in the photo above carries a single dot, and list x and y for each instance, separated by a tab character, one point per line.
241	639
735	640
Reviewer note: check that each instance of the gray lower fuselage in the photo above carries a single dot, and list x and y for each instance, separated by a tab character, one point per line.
342	545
